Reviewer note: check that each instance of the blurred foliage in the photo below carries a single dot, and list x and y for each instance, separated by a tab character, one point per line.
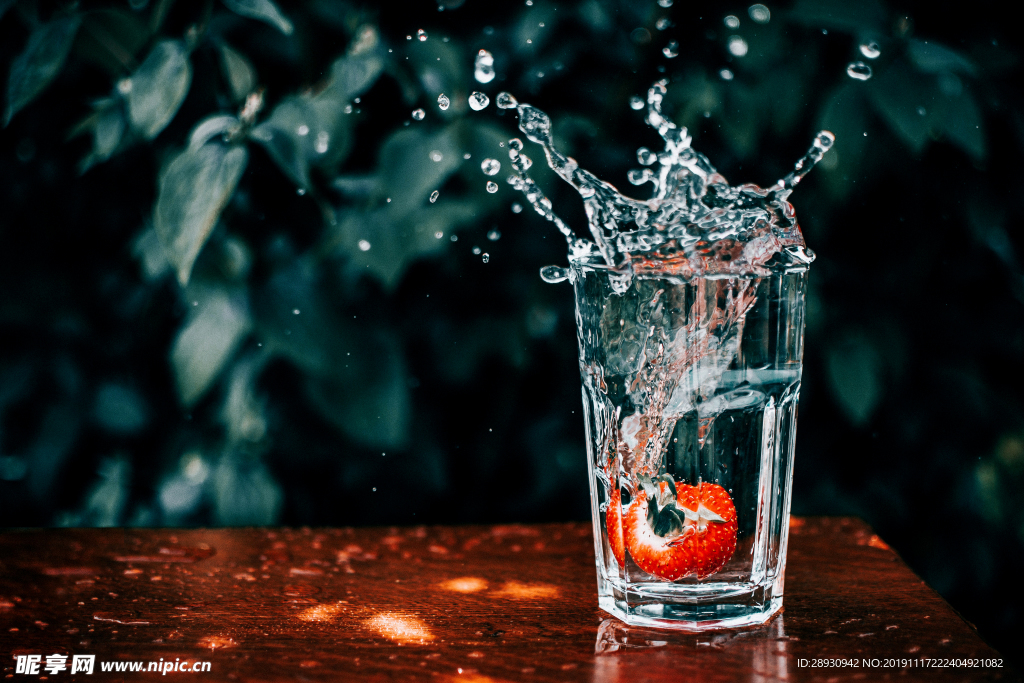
228	297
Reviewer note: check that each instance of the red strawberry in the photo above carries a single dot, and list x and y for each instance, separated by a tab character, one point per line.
613	520
673	530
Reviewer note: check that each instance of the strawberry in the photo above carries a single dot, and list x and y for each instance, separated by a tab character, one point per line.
613	520
673	530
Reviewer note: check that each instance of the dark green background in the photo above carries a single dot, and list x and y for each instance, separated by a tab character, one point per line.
418	384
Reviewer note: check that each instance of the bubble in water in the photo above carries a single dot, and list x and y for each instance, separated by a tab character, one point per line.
418	114
663	23
478	100
494	235
421	34
434	195
732	21
364	245
490	166
646	156
483	67
636	103
870	50
443	102
737	46
665	3
759	13
485	257
554	274
517	207
506	101
492	186
858	71
436	156
671	50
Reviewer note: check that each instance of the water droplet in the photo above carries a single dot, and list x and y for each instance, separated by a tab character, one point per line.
467	156
870	50
300	191
438	234
663	23
506	101
921	111
435	155
554	274
665	3
454	238
639	176
671	50
478	100
485	257
494	235
323	139
476	251
422	35
646	156
732	21
636	103
443	102
490	166
760	14
434	195
364	245
418	114
483	67
858	71
725	75
302	130
295	311
517	207
737	46
492	186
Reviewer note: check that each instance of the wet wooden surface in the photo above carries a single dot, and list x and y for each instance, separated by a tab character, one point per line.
471	604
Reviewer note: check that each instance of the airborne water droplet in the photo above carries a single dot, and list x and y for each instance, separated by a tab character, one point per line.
760	14
443	102
485	257
671	50
506	101
483	67
478	100
434	195
858	71
421	34
636	103
870	50
438	234
646	156
476	251
737	46
665	3
553	274
494	235
517	207
490	166
663	23
492	186
364	245
418	114
732	21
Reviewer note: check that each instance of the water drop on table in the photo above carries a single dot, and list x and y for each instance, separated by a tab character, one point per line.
478	100
485	257
418	114
443	102
434	195
759	13
636	103
490	166
492	186
858	71
553	274
870	50
483	67
671	50
506	101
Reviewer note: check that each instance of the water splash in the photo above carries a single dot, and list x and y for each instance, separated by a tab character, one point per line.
694	224
483	67
506	101
478	100
858	71
443	102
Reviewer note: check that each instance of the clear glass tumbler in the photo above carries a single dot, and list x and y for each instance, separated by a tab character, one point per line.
690	390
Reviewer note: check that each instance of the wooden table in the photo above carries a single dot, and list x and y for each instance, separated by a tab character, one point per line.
470	604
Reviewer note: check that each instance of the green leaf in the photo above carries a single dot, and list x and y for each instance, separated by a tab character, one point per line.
240	74
934	58
413	164
107	124
906	102
855	376
158	87
40	62
213	332
193	190
961	121
263	10
245	493
289	136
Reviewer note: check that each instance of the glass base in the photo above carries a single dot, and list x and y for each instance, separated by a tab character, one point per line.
694	612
